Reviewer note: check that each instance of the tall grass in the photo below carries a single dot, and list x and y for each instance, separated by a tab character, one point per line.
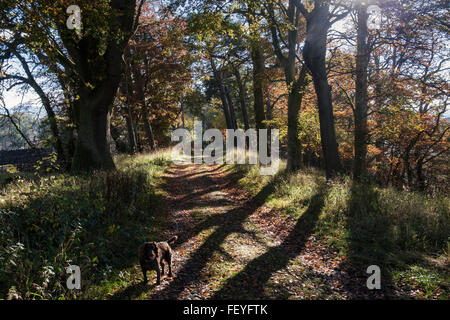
94	221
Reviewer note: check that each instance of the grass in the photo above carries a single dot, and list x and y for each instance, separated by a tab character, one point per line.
50	221
405	233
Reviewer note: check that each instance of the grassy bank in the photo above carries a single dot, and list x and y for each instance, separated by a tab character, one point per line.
405	233
51	221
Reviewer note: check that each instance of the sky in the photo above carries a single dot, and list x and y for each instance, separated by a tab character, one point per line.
15	98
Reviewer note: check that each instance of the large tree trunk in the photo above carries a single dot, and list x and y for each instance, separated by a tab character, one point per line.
231	107
138	135
222	94
360	114
314	53
183	124
148	126
420	175
294	158
242	98
258	77
130	129
295	97
93	150
98	76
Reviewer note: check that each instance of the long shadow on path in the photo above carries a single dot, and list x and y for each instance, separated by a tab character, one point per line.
227	223
251	281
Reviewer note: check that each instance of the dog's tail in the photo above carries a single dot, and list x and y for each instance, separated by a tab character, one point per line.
172	240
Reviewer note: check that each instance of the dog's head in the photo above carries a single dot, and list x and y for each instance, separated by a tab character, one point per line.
151	250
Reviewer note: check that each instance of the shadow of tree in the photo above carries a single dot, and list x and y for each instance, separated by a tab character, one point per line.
250	282
370	239
227	223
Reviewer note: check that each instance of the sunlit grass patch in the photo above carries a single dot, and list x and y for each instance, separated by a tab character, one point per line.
423	282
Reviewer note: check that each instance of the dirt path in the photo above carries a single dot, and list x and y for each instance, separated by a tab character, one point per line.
231	246
201	199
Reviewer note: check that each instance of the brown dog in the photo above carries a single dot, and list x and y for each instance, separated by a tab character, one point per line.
152	256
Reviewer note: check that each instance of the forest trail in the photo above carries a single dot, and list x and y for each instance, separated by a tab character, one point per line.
231	246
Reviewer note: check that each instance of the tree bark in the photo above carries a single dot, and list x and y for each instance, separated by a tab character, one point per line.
98	75
314	53
294	158
130	129
242	98
361	98
92	150
296	90
183	125
222	94
258	77
296	86
231	107
148	126
420	175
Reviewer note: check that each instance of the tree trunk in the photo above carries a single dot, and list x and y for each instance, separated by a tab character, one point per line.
137	135
222	94
242	98
92	150
294	160
258	77
148	126
360	114
231	107
183	125
296	90
269	108
314	53
120	145
98	76
56	141
420	175
130	128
